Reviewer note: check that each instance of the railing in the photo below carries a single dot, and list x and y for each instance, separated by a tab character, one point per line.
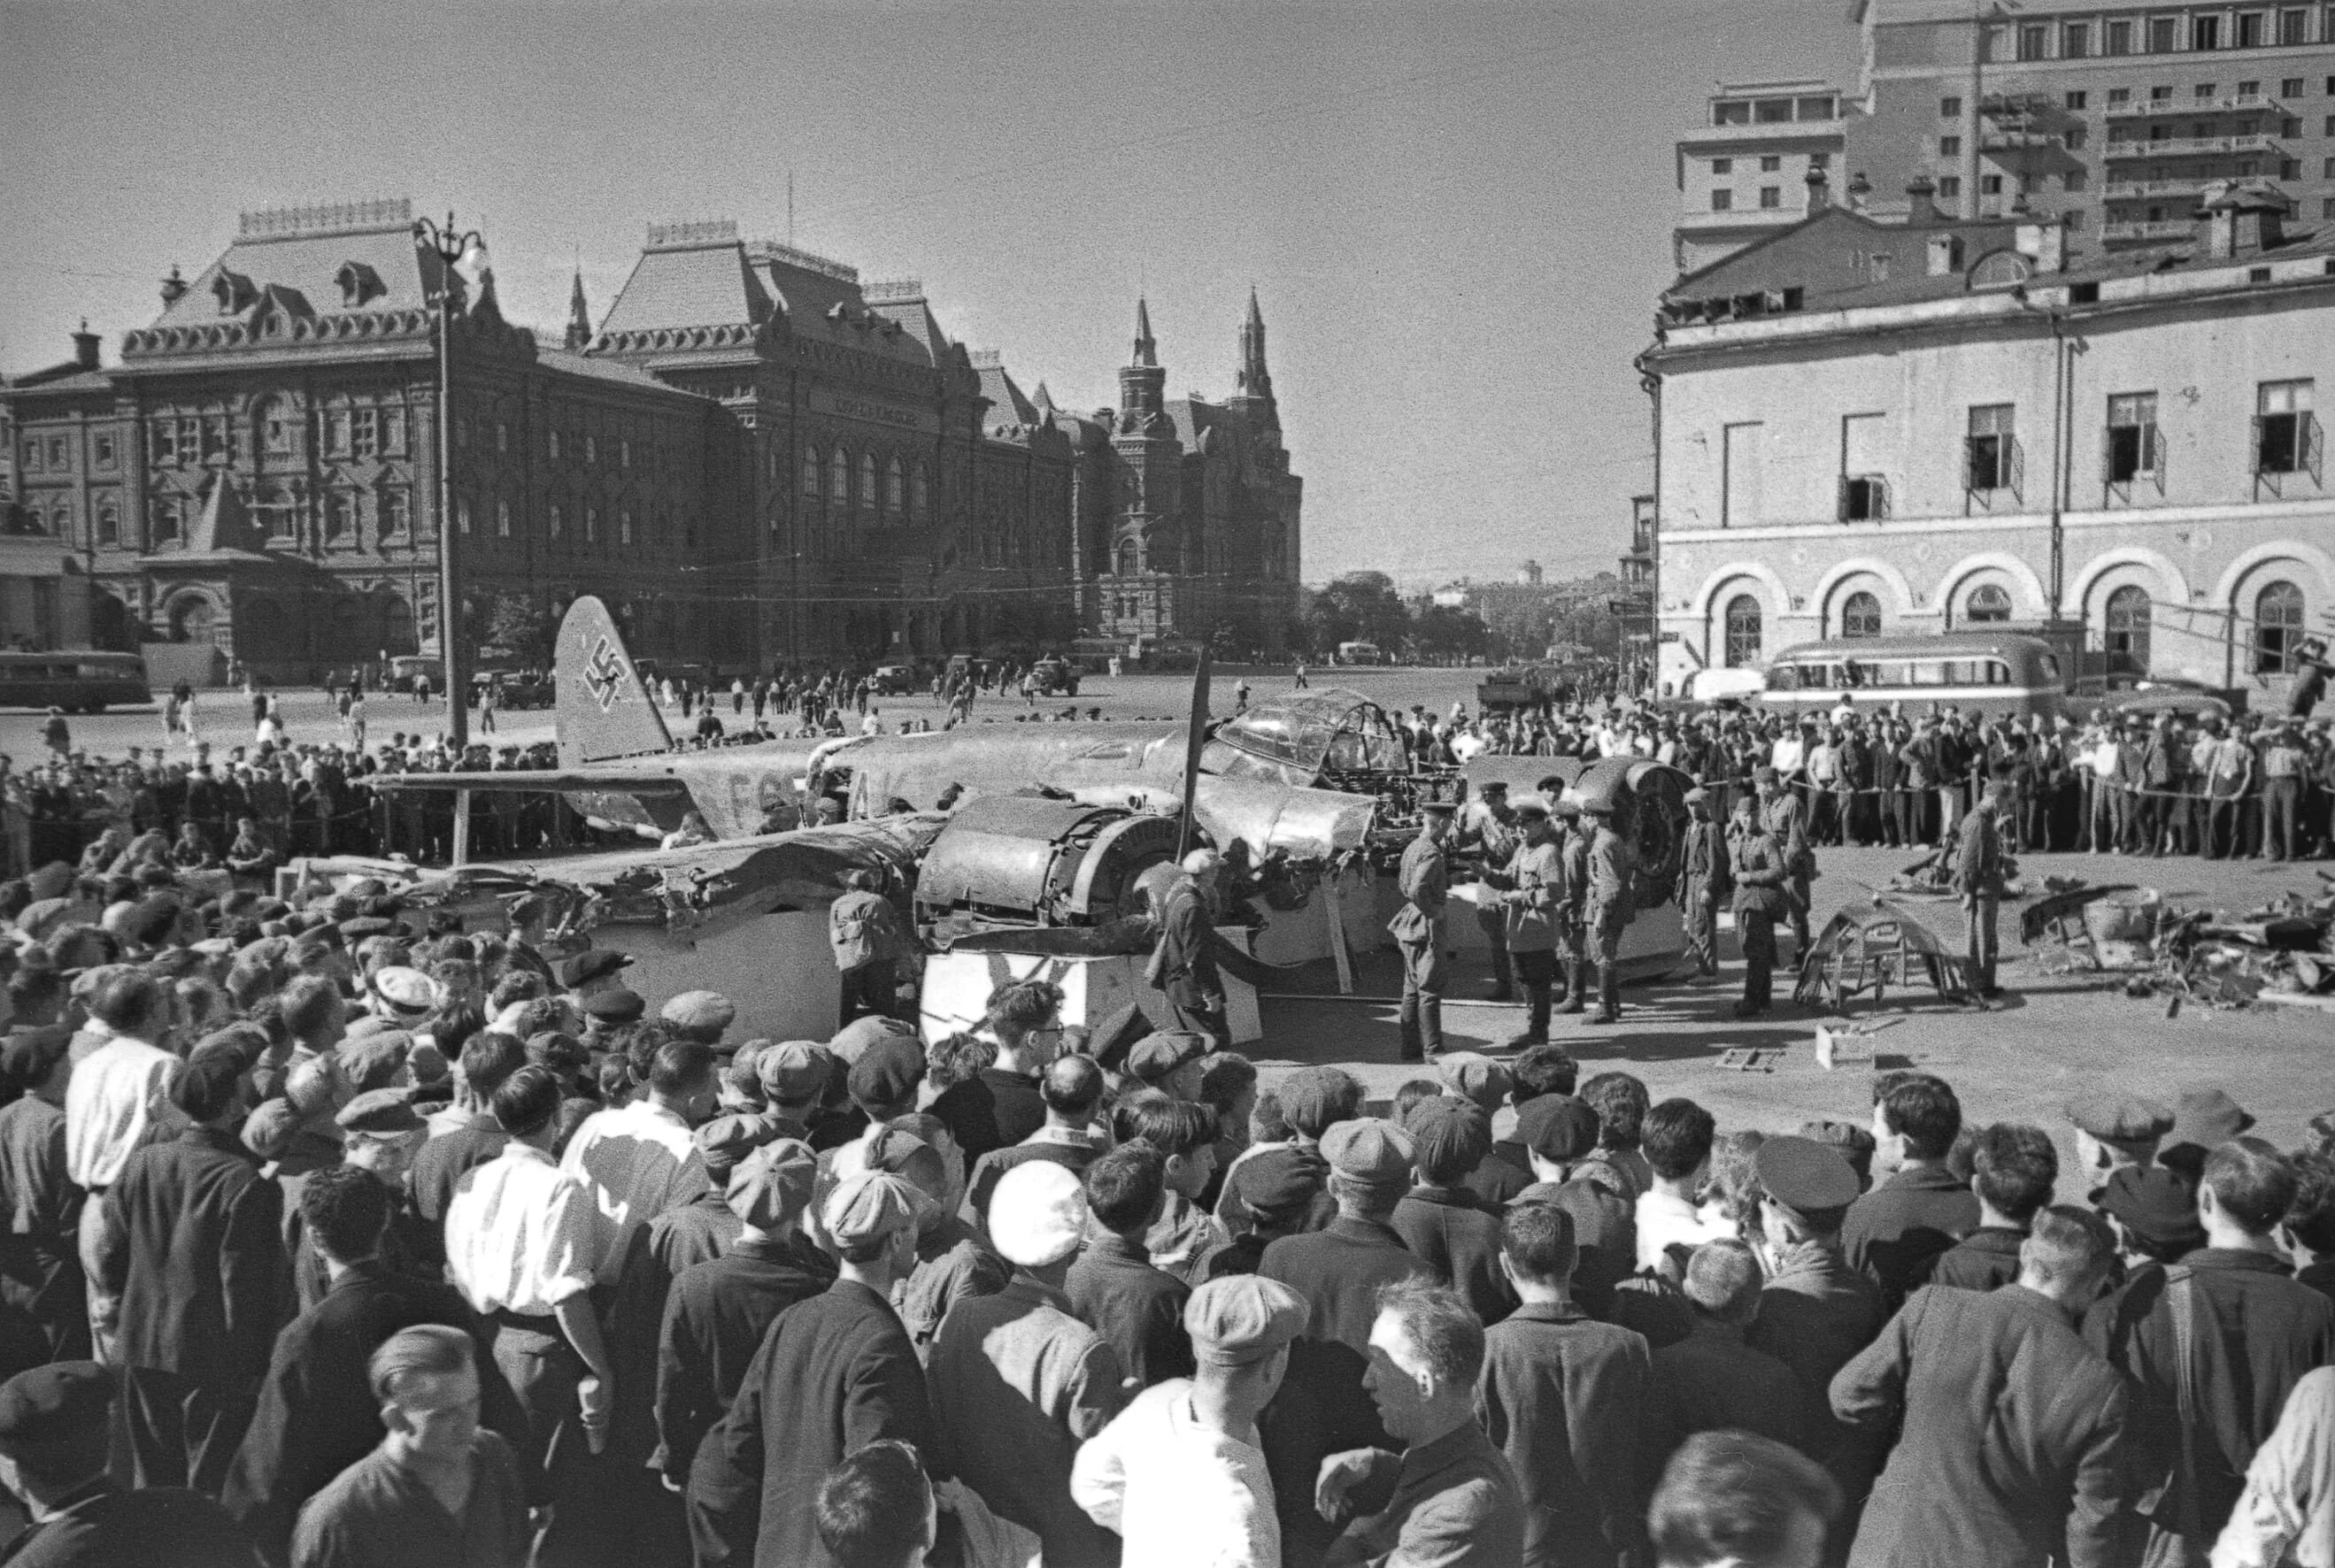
2168	108
2137	189
2128	151
2016	140
2135	233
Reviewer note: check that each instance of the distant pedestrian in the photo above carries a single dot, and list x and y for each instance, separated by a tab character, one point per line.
55	732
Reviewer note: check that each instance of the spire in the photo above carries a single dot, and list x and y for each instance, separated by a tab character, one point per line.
1254	381
1146	350
579	318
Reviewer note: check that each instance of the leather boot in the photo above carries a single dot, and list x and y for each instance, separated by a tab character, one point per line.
1577	993
1406	1020
1609	993
1430	1025
1503	976
1537	998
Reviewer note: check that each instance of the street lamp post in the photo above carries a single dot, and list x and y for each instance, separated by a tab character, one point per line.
449	245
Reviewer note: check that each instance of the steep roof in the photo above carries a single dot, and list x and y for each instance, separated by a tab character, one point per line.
552	357
305	261
1007	406
686	284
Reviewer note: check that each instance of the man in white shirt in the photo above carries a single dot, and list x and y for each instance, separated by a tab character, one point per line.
638	1159
521	1245
1181	1473
118	1100
1676	1137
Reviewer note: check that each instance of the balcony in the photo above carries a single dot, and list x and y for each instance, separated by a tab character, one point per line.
2016	140
2189	147
2011	105
2146	189
2146	232
2168	108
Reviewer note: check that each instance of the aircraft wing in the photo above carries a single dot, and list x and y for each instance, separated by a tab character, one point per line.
538	781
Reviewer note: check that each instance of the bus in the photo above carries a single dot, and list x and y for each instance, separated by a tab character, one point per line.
78	680
1995	673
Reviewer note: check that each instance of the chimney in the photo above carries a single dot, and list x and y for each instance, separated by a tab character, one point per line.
174	287
1945	254
1859	189
1919	206
2047	243
85	342
1818	197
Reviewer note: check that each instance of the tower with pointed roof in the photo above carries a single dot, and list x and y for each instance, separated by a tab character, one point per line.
1254	383
579	318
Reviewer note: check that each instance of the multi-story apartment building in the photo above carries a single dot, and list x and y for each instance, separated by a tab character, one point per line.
1743	173
2116	113
2011	433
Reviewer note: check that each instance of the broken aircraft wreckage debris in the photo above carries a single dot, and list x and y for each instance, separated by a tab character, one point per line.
1059	835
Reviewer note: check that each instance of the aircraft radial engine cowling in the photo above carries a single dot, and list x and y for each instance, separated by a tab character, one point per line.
1649	811
1027	859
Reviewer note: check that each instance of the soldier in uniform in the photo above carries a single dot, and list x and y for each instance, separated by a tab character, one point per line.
1573	855
1978	880
1756	865
1703	881
1784	815
1533	884
1425	884
1488	829
1606	913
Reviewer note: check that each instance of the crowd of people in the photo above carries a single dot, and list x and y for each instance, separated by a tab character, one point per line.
339	1236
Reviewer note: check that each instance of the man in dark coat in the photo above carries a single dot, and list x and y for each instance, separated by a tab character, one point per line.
1137	1308
1893	1233
2244	1328
55	1422
1321	1408
1712	1381
316	1412
2014	1168
1313	1099
40	1206
1566	1398
1183	965
719	1311
2012	1453
440	1163
1443	1223
835	1374
192	1244
1559	1134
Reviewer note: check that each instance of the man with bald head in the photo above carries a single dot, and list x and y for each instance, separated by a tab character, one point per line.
1183	965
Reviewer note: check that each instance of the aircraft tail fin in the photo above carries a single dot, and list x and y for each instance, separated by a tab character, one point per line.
604	709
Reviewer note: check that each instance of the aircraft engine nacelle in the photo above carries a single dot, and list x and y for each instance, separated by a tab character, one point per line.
1649	803
1029	860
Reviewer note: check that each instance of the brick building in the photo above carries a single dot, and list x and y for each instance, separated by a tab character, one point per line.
755	457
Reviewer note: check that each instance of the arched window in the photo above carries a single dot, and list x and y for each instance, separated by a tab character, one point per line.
2278	627
502	520
867	481
895	486
2127	624
1988	604
1742	630
922	497
591	524
340	516
1128	558
1860	616
396	514
838	478
108	523
811	472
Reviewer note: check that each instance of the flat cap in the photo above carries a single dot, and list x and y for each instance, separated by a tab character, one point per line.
769	1187
365	925
1154	1055
1566	808
56	1413
1242	1318
30	1055
870	1204
1443	1129
887	1072
792	1071
903	1151
2207	1117
203	1080
1806	1177
615	1005
376	1061
267	1131
2116	1117
1038	1214
1371	1149
407	991
557	1050
381	1113
1308	1094
2154	1203
854	1038
724	1142
1473	1076
1530	806
1277	1187
699	1015
1557	1127
592	963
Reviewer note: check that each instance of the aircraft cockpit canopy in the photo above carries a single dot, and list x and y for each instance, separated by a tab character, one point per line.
1308	738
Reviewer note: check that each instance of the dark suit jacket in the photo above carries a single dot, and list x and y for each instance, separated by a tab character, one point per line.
715	1319
1604	1236
2012	1453
1565	1398
1814	1314
160	1527
1459	1238
1712	1382
1893	1233
1137	1308
1984	1259
196	1255
835	1374
442	1163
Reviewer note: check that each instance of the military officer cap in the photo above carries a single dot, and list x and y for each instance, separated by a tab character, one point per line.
594	963
1808	1178
1242	1318
57	1419
1531	806
1439	809
380	1113
2120	1118
1370	1150
616	1005
1559	1128
699	1015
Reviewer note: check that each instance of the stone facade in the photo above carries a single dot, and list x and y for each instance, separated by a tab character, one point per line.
2012	434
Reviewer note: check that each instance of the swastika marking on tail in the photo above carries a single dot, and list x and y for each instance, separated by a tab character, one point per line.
604	673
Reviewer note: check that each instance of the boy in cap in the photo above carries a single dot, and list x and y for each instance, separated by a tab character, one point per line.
1181	1473
1018	1383
2114	1132
1440	1220
699	1015
1169	1061
834	1374
1559	1134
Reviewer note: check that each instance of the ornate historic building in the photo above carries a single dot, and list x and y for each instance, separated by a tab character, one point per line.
755	457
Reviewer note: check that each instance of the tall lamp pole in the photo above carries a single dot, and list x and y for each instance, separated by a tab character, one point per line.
449	245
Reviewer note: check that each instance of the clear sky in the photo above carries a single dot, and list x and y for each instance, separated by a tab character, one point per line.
1455	214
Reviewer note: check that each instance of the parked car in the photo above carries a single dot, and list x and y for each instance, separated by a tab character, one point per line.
1054	677
895	681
